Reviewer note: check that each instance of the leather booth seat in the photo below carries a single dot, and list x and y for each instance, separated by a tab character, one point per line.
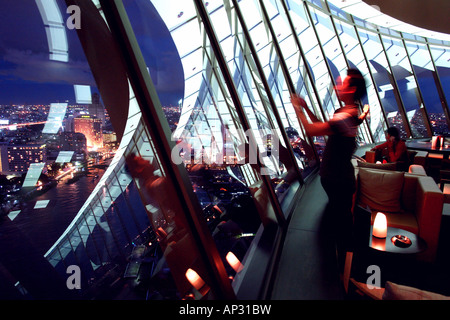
412	202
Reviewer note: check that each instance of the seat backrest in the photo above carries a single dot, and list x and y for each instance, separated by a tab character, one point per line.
409	190
380	189
408	193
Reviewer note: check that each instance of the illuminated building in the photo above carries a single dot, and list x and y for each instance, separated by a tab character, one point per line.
4	166
91	127
109	137
96	109
19	157
74	141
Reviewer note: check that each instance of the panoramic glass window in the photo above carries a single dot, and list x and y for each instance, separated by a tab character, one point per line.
210	137
428	84
63	164
273	61
321	77
260	91
441	58
57	141
407	86
355	57
383	79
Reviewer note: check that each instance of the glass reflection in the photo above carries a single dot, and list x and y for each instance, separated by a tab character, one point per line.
428	84
355	56
270	59
407	86
211	142
441	58
379	67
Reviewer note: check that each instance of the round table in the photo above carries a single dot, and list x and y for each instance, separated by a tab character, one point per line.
395	264
386	245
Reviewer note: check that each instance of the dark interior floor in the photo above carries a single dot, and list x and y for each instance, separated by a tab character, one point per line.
307	268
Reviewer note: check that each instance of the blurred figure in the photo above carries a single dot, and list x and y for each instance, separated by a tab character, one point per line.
168	221
157	193
336	170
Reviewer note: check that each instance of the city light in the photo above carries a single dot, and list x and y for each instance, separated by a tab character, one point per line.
14	126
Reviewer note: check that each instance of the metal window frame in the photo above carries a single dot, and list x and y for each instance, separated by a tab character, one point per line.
157	125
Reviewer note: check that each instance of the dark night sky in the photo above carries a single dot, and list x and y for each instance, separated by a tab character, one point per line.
28	76
26	73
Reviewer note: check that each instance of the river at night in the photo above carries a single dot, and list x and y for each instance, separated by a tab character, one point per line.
25	239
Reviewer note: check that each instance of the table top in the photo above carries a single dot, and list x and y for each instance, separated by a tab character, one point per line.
426	146
386	245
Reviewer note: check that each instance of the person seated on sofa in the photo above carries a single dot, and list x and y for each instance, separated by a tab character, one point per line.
395	147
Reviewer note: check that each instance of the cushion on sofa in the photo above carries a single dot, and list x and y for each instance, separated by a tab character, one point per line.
383	166
380	190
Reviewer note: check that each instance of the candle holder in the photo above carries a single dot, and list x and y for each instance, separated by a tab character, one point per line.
379	243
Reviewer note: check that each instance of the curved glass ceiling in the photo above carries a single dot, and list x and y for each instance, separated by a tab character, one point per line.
370	14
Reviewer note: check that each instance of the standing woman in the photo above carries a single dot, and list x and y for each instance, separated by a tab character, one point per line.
337	174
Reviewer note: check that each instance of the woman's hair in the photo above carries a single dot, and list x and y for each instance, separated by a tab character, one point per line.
393	132
357	80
